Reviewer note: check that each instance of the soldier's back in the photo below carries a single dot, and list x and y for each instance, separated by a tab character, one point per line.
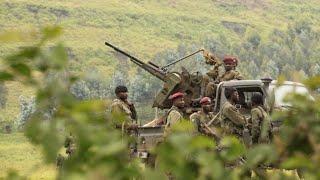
174	116
261	125
231	120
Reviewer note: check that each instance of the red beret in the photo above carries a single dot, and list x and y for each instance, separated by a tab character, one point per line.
205	100
230	60
176	95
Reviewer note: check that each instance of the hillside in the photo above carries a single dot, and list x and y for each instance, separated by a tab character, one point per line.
147	28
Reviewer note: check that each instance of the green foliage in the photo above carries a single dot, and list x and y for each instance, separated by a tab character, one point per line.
101	151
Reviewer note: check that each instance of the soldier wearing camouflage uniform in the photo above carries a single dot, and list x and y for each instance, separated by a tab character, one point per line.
230	63
212	77
201	118
122	109
175	113
261	125
232	121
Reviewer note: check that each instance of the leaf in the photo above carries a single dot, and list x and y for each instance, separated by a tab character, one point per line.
59	56
4	76
27	53
232	148
260	154
297	161
22	69
51	32
281	79
313	82
201	142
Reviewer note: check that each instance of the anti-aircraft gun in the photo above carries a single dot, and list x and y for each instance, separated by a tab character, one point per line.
190	84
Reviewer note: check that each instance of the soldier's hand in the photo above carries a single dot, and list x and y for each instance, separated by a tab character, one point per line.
206	54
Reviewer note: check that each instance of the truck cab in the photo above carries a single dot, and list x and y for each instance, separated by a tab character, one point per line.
245	89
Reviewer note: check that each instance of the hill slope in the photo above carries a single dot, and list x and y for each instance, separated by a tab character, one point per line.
146	28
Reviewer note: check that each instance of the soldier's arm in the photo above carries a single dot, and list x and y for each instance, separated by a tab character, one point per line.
119	117
236	117
116	109
238	76
255	116
173	118
195	119
213	73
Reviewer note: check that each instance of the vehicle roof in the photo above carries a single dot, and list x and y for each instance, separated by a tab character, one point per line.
242	83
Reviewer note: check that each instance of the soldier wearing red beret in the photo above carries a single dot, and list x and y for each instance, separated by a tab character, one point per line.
230	63
213	77
175	113
201	119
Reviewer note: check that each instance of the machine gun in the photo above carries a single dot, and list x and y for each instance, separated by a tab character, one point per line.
173	81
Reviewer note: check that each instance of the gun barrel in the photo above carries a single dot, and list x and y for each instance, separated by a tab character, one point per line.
183	58
150	68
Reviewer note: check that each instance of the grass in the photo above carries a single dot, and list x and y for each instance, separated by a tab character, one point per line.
16	153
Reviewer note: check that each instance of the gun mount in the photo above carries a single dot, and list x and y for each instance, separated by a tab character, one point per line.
173	81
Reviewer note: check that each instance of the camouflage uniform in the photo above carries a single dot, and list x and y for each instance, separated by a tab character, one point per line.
121	108
200	117
126	120
261	125
210	87
232	120
174	116
230	75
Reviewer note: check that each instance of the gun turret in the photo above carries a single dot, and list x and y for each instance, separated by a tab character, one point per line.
171	80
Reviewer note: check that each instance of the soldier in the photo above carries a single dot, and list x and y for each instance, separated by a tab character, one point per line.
212	77
232	121
122	107
230	63
261	125
125	116
201	118
175	113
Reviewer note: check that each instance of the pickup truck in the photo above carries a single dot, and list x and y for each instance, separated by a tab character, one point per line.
149	135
